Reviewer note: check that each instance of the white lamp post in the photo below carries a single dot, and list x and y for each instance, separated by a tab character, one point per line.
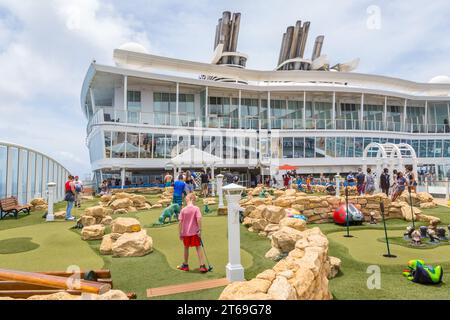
234	268
219	179
337	178
51	192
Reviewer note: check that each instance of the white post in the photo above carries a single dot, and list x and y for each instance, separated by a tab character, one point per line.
234	268
51	196
219	179
213	179
122	177
337	178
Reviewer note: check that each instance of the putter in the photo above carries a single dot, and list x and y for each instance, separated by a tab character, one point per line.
206	257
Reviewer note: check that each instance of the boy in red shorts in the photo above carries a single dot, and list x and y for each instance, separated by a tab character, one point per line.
190	232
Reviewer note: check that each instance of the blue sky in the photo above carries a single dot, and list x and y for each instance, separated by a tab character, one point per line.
46	47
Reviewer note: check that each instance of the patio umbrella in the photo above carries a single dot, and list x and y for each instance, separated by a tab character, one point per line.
287	167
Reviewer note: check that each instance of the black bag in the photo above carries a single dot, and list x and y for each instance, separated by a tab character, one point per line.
69	196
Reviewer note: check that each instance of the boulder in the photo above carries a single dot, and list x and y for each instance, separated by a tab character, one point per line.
268	275
272	254
60	215
285	239
94	232
106	198
125	225
135	244
248	221
157	206
335	266
297	224
270	228
97	211
138	200
274	214
120	211
38	202
87	221
121	203
106	221
247	290
106	245
290	192
281	289
428	205
259	225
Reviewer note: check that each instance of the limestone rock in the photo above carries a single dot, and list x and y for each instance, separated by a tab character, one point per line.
281	289
285	239
335	266
106	245
274	214
94	232
126	225
297	224
106	221
60	215
245	290
268	275
273	253
428	205
87	221
121	203
259	225
97	211
135	244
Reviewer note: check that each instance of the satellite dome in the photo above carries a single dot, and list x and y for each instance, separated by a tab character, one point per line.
440	79
133	46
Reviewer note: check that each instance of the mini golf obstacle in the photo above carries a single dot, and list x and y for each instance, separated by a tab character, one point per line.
21	284
187	287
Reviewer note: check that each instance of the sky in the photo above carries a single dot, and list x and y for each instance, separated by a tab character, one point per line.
46	47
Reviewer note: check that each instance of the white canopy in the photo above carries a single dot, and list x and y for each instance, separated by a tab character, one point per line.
194	157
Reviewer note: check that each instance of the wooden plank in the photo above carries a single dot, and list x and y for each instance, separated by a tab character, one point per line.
52	281
23	294
17	286
101	274
187	287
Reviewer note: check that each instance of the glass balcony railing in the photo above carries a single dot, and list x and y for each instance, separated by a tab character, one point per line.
111	115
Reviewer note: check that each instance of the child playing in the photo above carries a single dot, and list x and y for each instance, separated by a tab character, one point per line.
190	231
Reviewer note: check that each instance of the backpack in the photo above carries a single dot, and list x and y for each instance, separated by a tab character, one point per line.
78	187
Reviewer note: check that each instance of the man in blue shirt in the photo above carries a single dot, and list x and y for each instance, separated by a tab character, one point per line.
178	191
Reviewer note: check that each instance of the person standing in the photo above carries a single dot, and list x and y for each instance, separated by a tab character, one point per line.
190	183
168	180
370	182
360	182
190	228
69	197
402	183
205	183
178	190
385	181
78	191
286	180
411	178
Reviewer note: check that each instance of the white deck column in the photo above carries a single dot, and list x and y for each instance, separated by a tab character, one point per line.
304	110
405	107
177	104
333	111
361	115
385	113
239	109
51	199
269	113
125	97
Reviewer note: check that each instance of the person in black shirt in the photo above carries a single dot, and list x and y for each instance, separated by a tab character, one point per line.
385	181
205	183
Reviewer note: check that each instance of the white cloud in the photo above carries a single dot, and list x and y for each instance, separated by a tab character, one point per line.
46	49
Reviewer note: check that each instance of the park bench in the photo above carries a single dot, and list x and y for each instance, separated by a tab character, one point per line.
10	206
19	284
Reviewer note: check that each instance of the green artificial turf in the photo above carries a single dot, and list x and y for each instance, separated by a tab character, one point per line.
17	245
426	244
59	247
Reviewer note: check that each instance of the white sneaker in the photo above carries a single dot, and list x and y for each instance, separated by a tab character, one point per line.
70	219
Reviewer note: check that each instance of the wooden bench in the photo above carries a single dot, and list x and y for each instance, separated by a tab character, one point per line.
10	206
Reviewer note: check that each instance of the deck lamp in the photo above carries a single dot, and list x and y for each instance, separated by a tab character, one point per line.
234	268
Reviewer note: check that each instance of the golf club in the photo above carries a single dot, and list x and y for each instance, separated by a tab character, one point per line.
206	257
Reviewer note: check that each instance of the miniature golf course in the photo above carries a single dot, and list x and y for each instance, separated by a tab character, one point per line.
31	244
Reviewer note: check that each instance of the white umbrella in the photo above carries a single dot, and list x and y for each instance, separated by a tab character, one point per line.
122	147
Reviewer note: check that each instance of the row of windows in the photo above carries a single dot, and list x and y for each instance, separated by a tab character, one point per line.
24	174
161	146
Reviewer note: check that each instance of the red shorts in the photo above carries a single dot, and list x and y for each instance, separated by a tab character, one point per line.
192	241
